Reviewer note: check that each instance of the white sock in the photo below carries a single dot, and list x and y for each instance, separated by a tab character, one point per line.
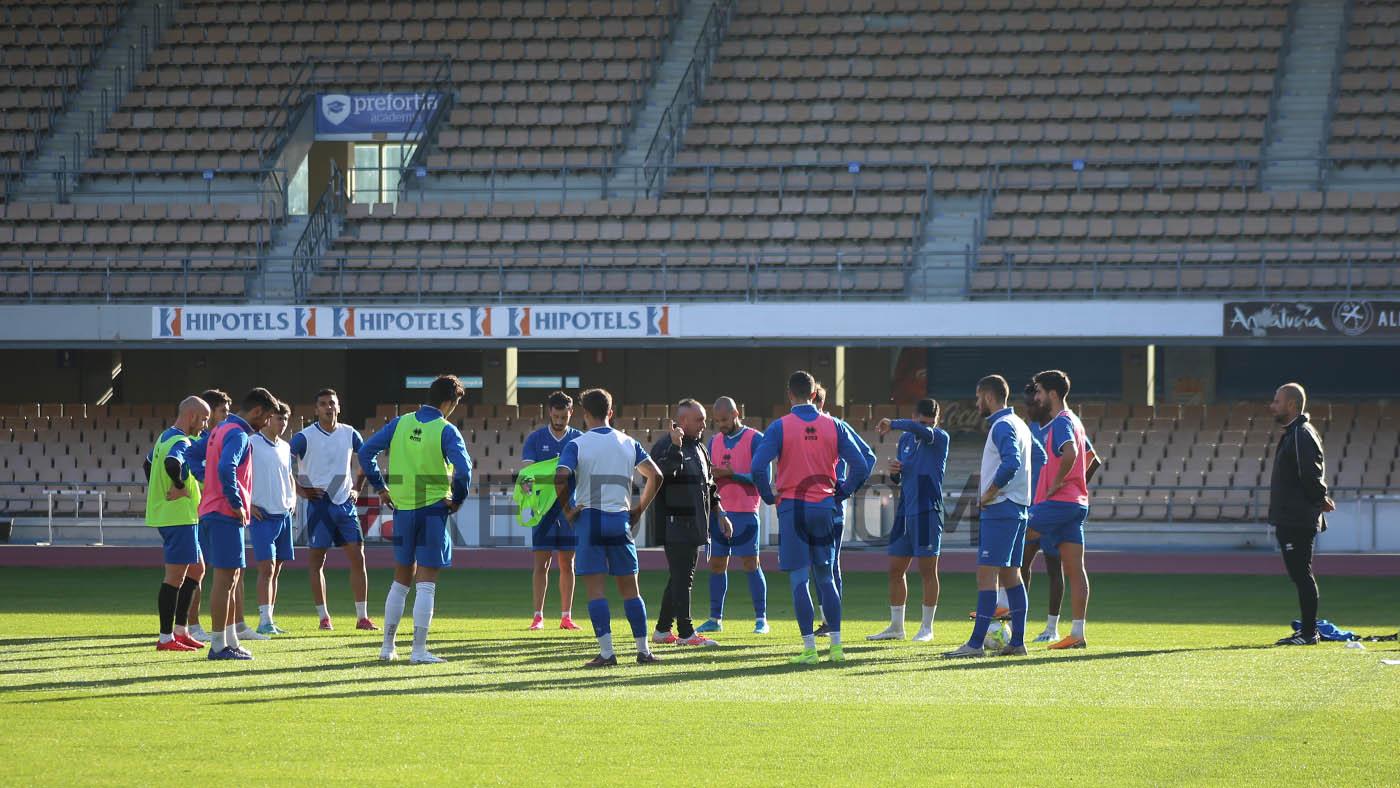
642	647
1052	623
835	638
164	638
231	635
897	617
422	616
539	614
321	612
393	611
1002	601
181	629
216	643
361	610
605	648
1076	629
809	642
929	611
563	613
264	615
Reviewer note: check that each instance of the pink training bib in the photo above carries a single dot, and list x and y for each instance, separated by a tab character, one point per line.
807	464
212	500
735	496
1076	486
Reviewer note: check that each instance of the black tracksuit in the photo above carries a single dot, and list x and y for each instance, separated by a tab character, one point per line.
1297	491
688	495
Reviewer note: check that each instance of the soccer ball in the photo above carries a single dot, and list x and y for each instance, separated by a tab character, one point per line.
998	635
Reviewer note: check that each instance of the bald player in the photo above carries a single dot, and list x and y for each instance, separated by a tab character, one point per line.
731	454
172	507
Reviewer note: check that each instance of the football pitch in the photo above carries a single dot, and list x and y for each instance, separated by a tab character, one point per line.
1180	685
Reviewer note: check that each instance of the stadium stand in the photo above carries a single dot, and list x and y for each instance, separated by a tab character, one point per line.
1163	463
538	82
130	251
1368	101
965	87
45	48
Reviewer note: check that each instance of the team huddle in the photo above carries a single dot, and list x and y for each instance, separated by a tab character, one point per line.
210	489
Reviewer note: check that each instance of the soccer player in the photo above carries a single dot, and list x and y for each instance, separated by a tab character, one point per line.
806	444
600	463
1062	497
172	506
1038	420
432	474
225	509
921	459
731	452
274	495
838	522
1005	497
219	404
325	478
554	536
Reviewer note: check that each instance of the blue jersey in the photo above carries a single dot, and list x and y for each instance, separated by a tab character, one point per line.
923	457
542	445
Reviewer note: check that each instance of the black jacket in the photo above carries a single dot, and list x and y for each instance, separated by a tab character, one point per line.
688	492
1299	482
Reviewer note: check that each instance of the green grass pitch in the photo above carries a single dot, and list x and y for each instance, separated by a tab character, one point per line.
1178	687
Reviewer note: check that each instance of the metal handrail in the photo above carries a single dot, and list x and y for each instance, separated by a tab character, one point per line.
323	223
638	100
442	90
677	115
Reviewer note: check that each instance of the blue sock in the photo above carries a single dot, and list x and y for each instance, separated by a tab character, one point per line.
986	606
801	602
758	588
601	617
719	586
831	602
636	611
1018	603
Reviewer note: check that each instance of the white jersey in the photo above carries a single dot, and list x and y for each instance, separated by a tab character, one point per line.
272	475
325	459
1018	489
603	460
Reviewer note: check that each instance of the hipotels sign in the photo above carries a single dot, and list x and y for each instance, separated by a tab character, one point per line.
1339	319
369	116
350	323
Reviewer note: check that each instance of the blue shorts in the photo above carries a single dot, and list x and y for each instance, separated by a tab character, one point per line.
604	544
1058	522
332	525
225	536
917	535
180	544
807	535
553	533
421	536
272	538
1002	534
201	535
744	542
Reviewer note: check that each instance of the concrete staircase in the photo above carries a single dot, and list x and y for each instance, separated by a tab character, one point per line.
1302	106
629	179
949	235
274	283
86	114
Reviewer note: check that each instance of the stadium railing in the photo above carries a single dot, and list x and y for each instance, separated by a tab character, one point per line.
95	121
676	118
132	185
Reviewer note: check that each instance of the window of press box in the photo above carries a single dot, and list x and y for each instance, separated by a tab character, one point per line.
374	173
